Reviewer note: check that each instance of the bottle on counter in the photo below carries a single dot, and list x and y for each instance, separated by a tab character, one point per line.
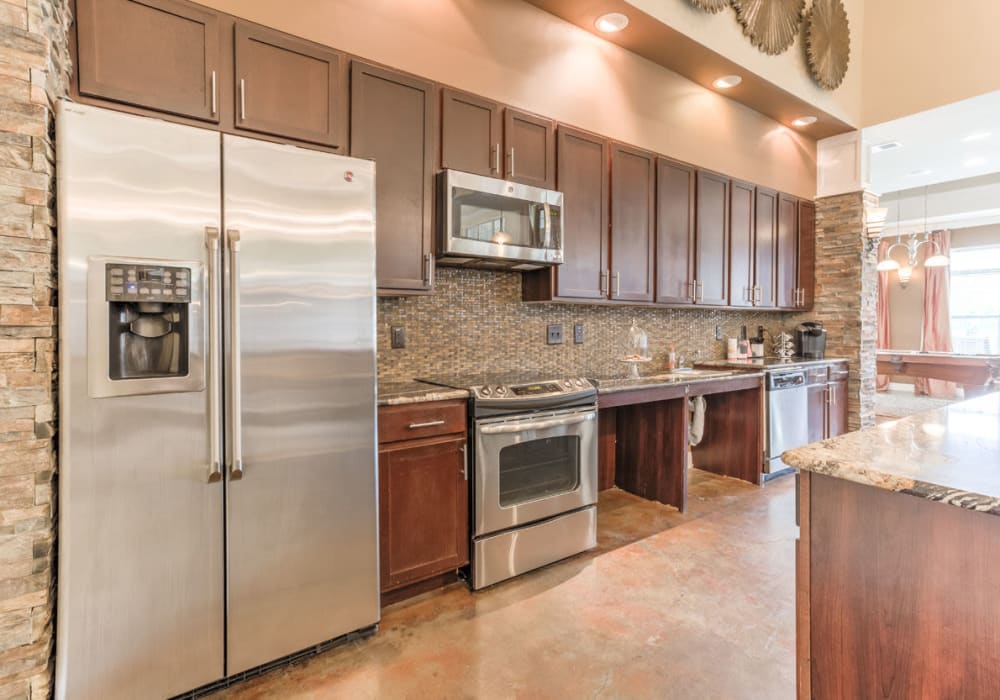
672	358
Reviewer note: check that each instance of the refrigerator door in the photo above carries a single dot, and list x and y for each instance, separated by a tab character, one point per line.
140	582
300	339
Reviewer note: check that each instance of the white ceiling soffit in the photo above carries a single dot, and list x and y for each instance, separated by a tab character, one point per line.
954	142
950	205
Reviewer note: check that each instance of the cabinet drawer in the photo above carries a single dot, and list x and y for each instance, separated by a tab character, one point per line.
839	373
420	420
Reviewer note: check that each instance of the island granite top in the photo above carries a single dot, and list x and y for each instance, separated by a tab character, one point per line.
761	363
615	384
951	455
395	393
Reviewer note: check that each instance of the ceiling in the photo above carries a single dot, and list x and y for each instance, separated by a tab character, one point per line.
652	39
954	142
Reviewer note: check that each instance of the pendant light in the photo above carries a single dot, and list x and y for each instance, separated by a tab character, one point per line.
938	259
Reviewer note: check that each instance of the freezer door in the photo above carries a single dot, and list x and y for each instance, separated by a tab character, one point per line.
300	341
140	585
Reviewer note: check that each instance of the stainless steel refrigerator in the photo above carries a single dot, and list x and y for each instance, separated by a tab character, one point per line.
217	481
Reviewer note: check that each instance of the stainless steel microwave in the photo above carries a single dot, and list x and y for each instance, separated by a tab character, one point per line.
497	224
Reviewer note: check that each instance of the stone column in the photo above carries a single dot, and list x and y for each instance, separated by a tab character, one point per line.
34	64
846	294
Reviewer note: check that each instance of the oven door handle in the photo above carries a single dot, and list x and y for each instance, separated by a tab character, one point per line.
519	427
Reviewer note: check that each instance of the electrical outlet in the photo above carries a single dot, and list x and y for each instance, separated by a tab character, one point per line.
718	331
398	336
578	334
554	334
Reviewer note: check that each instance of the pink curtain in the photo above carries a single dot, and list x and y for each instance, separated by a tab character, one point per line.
936	328
883	342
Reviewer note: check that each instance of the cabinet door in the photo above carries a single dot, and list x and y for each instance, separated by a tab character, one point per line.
807	254
530	147
392	118
765	248
816	411
787	255
160	54
837	415
423	510
632	178
583	180
289	87
712	239
675	188
470	134
741	244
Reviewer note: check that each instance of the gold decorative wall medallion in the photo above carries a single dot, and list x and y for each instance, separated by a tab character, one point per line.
712	6
828	43
771	25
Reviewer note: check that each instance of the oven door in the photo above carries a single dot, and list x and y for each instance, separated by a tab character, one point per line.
533	467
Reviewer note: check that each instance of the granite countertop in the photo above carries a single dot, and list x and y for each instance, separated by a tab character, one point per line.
613	384
395	393
759	363
951	455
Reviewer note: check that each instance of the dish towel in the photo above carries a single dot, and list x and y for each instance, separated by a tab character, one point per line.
696	428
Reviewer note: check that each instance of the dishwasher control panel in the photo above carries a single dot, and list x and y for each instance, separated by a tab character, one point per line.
777	381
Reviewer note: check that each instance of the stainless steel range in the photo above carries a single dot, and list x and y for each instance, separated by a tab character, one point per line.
534	471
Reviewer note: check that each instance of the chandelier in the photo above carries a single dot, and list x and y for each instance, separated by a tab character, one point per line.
912	247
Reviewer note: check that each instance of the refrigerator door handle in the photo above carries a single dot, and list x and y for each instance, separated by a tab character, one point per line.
235	417
214	355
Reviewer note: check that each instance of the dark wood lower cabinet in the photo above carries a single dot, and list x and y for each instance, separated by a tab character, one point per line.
423	509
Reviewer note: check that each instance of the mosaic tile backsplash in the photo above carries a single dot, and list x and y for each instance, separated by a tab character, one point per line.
475	320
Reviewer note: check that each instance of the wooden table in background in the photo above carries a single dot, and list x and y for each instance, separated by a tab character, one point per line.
977	374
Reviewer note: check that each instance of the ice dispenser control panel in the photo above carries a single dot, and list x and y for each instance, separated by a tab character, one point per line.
132	283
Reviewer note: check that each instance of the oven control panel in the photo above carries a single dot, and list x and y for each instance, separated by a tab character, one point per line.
549	388
131	283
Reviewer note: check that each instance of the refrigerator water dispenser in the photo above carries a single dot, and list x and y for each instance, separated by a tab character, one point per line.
152	335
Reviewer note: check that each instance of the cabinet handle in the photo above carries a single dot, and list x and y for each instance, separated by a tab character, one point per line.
465	463
496	158
429	270
758	296
426	424
511	162
215	96
701	291
243	99
604	282
693	290
618	283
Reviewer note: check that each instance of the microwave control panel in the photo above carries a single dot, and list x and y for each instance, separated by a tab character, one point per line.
157	283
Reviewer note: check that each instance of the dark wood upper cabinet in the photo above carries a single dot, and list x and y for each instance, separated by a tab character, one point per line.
286	86
470	134
393	123
787	254
159	54
712	239
423	509
583	179
741	243
530	148
633	176
807	254
675	196
765	248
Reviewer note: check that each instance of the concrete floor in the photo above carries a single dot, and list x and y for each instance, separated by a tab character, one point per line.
699	605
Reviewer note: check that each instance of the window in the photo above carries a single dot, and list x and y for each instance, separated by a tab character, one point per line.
975	299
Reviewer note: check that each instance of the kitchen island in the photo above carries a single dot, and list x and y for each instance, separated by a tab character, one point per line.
897	560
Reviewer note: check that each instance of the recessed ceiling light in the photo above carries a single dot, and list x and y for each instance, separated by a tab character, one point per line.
804	121
973	162
978	136
727	81
611	22
887	146
919	173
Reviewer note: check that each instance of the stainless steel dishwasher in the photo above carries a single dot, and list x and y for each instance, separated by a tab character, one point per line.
786	416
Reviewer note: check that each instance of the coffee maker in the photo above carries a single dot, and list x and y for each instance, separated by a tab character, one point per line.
810	340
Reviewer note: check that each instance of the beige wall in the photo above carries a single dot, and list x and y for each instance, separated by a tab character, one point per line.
723	34
514	52
921	54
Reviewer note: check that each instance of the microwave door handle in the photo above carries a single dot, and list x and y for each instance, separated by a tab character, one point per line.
520	427
548	226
